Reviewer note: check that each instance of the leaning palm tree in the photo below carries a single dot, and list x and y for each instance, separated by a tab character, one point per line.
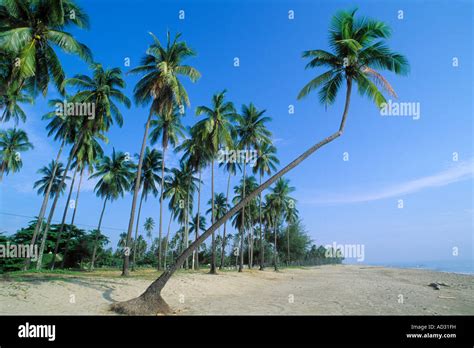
252	131
31	30
169	128
152	163
12	142
161	68
216	131
266	163
360	44
115	175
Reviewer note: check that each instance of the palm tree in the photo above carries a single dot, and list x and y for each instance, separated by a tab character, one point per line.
152	163
188	182
291	217
57	188
30	29
196	155
87	154
9	102
220	208
12	142
251	130
266	163
360	43
149	225
102	90
160	85
11	93
216	131
280	202
65	130
241	220
115	175
169	128
231	167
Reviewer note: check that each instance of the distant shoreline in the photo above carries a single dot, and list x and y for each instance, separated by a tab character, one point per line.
458	267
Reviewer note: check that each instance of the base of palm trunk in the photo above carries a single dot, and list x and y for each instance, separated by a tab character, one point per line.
141	306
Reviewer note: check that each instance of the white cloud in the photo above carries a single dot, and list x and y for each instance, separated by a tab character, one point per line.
460	172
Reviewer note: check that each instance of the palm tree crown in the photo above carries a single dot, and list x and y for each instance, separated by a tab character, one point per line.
12	142
359	49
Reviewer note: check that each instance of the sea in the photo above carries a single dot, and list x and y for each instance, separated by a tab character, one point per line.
451	266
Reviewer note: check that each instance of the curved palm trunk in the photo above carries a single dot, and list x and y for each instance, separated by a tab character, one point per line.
58	238
262	248
151	302
161	207
45	234
136	231
213	258
39	223
242	222
126	255
225	224
66	248
167	239
91	268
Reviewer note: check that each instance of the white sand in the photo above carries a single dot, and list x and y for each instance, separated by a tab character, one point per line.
326	290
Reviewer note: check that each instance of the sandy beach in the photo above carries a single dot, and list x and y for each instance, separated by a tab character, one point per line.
326	290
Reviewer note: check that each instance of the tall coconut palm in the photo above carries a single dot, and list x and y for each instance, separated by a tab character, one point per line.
280	202
10	100
251	130
360	44
87	154
160	84
243	221
115	175
169	128
188	182
31	30
220	208
216	131
264	165
291	218
58	186
149	225
231	167
102	91
12	142
197	156
64	129
152	164
11	92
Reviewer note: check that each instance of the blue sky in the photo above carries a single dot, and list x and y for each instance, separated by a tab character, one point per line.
390	158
